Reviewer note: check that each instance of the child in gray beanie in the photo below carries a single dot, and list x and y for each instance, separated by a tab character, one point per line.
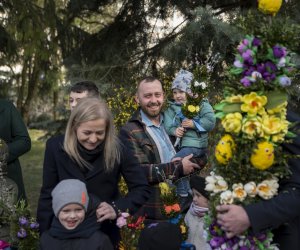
75	223
191	132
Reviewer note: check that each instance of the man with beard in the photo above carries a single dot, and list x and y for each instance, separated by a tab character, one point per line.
145	135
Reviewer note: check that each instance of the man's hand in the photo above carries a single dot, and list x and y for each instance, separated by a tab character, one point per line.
233	219
188	166
105	212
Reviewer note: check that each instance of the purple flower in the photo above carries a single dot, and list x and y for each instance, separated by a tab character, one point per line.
256	42
23	221
214	229
268	76
247	56
279	51
270	67
261	237
34	225
244	248
248	71
284	81
261	68
246	82
22	233
216	241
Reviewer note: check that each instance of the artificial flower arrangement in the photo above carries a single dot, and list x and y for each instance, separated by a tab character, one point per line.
171	208
130	230
249	161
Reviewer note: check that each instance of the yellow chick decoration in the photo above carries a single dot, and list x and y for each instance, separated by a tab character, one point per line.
269	6
224	149
263	156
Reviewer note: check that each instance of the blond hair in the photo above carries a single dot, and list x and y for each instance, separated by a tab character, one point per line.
90	109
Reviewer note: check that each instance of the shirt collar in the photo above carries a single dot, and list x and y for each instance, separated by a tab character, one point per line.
148	122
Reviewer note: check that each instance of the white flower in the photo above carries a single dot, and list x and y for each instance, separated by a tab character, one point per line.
215	183
250	188
203	85
254	76
281	62
268	188
239	192
226	197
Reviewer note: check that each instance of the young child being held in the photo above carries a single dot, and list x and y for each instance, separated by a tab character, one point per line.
193	133
194	217
75	223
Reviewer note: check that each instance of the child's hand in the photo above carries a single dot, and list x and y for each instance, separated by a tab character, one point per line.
179	132
187	123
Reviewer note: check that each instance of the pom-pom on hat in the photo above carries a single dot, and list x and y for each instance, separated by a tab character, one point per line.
183	81
197	182
67	192
162	235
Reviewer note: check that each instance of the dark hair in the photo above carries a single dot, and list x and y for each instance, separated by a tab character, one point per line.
88	86
148	79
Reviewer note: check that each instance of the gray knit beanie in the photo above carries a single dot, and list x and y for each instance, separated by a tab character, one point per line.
67	192
183	81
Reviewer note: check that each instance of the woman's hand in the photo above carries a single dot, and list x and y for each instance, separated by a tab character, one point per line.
105	212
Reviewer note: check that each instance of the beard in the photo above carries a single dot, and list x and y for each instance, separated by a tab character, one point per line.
152	113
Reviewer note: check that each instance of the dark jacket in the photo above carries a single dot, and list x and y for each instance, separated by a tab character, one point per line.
58	166
14	132
281	213
86	235
134	135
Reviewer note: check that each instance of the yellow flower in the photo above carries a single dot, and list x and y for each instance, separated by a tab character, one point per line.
272	124
234	99
192	108
164	188
232	122
263	156
279	109
269	6
252	127
253	103
224	148
183	229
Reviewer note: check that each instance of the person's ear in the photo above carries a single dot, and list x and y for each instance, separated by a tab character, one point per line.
136	98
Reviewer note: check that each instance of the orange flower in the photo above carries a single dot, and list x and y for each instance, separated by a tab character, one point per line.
176	207
168	209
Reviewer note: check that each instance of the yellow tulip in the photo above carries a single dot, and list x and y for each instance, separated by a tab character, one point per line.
269	6
232	122
253	103
252	127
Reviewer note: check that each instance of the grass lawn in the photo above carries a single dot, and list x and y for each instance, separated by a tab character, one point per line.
32	164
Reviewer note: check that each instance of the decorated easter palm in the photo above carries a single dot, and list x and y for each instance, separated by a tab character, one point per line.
249	161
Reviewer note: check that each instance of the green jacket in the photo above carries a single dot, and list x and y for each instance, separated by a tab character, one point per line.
192	137
135	137
14	132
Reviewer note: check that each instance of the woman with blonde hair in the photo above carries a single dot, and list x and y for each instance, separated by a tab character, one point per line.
91	152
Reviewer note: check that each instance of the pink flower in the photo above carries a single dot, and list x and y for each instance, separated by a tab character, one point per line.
122	220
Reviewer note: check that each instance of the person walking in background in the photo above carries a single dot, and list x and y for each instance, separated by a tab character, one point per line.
14	132
75	223
192	132
194	217
91	152
81	90
145	136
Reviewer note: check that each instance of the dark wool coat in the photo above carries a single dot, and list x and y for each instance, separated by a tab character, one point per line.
281	213
14	132
58	166
138	140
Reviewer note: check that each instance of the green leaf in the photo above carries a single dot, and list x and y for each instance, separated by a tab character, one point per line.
236	71
220	106
276	98
232	107
220	115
